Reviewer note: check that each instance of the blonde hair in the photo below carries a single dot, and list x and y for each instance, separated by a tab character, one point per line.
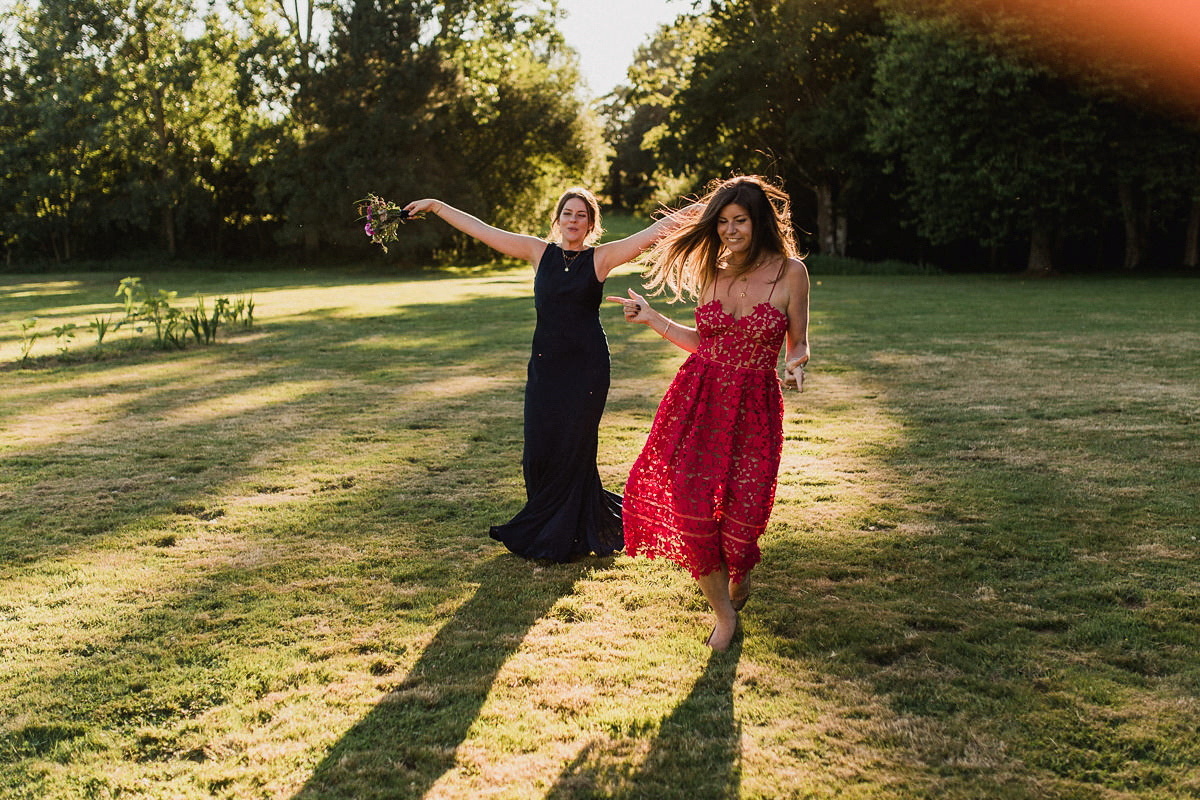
685	261
595	229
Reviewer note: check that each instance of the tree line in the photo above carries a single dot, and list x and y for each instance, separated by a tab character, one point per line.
902	129
243	127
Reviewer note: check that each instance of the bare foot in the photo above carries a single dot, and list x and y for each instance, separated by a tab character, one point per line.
722	635
739	593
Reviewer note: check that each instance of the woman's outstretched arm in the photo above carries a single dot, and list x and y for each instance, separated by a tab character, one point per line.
638	310
516	245
611	255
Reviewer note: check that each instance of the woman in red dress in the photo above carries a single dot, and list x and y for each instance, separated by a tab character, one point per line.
700	493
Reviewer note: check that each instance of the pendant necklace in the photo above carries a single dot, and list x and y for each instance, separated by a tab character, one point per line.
744	280
567	262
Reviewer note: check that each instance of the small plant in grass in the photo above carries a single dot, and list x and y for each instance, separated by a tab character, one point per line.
63	334
128	290
196	323
166	318
141	305
240	309
101	326
221	310
155	307
204	327
232	310
28	337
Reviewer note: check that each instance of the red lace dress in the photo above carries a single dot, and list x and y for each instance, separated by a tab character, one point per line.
702	489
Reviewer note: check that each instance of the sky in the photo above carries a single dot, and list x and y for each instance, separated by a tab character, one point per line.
607	32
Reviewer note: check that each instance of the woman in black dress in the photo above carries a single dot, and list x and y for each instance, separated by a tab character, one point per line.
568	513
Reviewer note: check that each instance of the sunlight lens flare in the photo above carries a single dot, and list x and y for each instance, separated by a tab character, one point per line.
1158	39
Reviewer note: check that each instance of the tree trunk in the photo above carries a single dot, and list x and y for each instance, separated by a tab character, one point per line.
826	232
168	227
157	118
615	198
842	231
1134	229
1041	251
1191	247
163	142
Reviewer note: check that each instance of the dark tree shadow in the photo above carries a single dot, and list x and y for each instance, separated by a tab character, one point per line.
408	741
696	754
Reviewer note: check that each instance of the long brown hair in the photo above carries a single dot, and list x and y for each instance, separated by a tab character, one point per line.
685	261
595	229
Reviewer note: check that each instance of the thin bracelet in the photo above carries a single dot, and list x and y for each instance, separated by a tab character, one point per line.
667	328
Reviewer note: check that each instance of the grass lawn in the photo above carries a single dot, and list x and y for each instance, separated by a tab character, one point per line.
260	568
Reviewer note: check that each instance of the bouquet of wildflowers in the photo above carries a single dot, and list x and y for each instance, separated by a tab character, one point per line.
382	219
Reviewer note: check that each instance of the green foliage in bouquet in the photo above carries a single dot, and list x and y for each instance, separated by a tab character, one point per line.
382	219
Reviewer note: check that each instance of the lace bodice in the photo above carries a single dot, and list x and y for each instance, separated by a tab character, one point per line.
750	342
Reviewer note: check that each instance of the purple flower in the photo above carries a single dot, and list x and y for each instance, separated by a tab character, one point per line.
370	231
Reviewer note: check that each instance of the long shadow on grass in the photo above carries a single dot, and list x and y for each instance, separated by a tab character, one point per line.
408	741
696	754
346	387
1015	594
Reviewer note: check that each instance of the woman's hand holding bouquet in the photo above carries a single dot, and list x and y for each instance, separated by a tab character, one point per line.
382	218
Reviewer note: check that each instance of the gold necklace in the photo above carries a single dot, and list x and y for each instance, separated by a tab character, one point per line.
744	280
567	262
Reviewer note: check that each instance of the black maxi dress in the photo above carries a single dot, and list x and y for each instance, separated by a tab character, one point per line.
568	513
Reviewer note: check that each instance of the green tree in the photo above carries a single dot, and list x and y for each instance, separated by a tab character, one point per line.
1000	137
278	50
126	123
517	117
52	124
781	86
369	117
992	147
1151	146
1191	246
169	99
636	116
1153	158
282	53
472	101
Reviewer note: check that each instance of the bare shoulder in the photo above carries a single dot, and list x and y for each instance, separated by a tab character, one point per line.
537	250
795	269
792	290
795	276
